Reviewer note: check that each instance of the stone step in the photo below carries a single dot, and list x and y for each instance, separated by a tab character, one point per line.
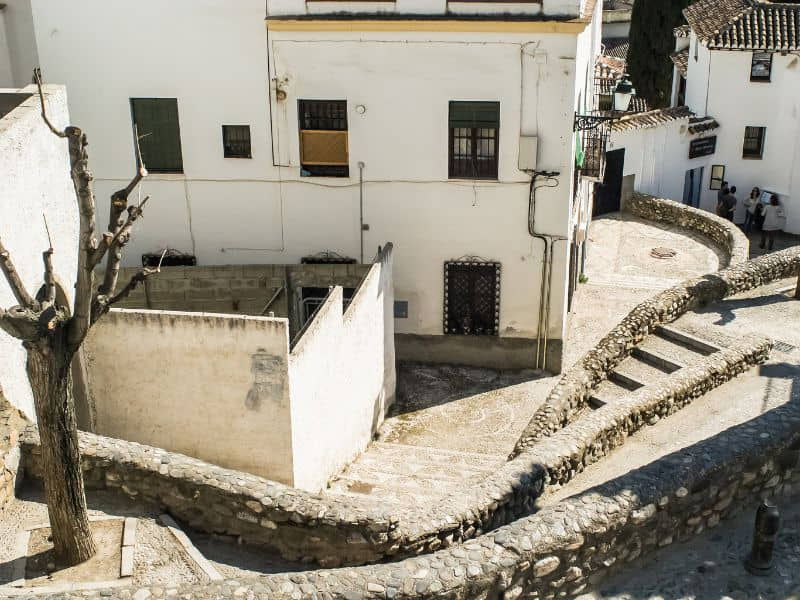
373	469
640	370
695	343
660	361
431	454
607	392
671	349
626	381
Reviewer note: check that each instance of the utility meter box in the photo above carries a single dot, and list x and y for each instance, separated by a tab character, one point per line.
528	149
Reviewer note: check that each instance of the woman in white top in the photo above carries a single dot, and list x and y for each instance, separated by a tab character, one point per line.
751	204
773	221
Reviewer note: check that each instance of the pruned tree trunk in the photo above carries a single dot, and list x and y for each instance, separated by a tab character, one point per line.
50	376
52	334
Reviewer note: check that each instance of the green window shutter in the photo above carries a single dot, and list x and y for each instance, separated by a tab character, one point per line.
475	114
159	133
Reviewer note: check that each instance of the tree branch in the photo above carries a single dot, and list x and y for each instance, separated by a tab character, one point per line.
120	240
119	203
104	303
84	286
37	76
21	323
13	278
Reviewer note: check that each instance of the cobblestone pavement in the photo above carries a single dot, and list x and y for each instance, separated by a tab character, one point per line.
453	425
710	567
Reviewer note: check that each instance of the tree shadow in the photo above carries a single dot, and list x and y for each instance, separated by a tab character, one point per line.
727	308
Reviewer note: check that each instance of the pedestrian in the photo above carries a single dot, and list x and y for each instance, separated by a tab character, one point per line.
751	206
721	194
729	202
773	222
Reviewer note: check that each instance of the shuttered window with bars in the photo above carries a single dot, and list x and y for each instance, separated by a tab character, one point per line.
323	138
236	141
474	139
471	298
156	121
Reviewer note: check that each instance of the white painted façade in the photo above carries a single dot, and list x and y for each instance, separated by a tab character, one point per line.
287	128
735	112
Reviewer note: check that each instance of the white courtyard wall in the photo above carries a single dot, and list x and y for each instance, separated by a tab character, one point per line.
215	387
342	379
233	211
34	181
17	32
426	7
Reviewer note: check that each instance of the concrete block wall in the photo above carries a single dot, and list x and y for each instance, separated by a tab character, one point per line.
238	289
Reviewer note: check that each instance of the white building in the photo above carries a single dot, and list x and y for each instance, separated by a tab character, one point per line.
736	110
281	130
35	185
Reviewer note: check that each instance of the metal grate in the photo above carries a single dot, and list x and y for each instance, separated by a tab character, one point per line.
784	347
593	143
472	298
323	138
236	141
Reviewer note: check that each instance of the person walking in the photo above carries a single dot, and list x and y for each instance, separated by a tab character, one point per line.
729	203
773	222
721	194
751	206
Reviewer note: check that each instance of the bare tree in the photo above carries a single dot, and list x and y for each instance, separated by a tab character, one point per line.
52	334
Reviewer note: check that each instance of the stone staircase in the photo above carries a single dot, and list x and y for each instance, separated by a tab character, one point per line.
664	352
411	475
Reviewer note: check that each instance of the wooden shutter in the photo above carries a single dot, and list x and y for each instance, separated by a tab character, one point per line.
159	132
323	147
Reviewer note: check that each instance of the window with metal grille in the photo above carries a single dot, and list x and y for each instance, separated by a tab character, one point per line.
753	142
156	121
236	141
471	298
761	67
474	139
323	138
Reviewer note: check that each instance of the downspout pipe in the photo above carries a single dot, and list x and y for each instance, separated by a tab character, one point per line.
361	207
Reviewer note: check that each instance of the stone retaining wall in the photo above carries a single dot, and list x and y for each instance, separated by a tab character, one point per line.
11	422
570	394
561	549
721	231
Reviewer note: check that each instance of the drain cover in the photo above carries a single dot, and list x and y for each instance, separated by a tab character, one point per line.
784	347
663	253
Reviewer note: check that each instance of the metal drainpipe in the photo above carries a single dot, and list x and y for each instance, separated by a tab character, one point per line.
361	206
549	295
532	232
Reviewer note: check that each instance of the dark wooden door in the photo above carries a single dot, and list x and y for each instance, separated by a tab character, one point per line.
608	194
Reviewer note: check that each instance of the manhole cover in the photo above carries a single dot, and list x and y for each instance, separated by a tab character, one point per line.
784	347
663	253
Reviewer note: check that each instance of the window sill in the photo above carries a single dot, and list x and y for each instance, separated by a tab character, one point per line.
753	158
475	179
761	80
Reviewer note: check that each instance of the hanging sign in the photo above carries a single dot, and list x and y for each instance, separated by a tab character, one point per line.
703	147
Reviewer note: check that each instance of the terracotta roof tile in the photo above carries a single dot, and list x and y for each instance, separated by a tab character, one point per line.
652	118
681	60
746	24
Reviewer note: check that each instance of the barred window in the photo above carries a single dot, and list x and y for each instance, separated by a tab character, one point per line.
753	142
236	141
471	298
323	138
156	121
474	138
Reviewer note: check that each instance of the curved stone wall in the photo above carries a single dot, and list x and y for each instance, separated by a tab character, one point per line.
722	232
563	548
570	394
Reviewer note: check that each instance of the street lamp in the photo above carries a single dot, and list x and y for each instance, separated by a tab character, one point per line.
623	93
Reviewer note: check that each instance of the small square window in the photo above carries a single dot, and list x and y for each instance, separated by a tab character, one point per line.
754	142
761	67
236	141
717	177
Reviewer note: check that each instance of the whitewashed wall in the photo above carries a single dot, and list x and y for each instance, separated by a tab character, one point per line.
215	387
34	181
233	211
342	379
18	43
427	7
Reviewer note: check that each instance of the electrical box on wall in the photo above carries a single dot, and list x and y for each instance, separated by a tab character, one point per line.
528	149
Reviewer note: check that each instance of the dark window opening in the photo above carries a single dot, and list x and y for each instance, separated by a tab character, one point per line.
474	139
717	177
753	142
323	138
313	297
472	298
236	141
761	67
157	124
